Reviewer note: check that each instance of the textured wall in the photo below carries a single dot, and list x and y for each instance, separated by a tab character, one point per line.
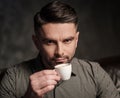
99	29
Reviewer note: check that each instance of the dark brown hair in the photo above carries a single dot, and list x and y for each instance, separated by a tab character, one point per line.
55	12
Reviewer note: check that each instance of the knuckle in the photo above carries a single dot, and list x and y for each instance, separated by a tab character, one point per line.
50	82
38	93
50	87
31	77
44	72
47	77
58	78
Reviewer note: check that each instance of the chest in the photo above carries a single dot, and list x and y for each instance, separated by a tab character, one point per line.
74	88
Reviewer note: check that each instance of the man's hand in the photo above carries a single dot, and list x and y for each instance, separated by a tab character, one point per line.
41	83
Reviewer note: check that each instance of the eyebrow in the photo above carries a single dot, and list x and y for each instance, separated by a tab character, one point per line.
71	37
45	39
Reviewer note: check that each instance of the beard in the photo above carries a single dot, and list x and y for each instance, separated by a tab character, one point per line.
50	63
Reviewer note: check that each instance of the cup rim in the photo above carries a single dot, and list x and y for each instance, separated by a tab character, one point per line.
58	65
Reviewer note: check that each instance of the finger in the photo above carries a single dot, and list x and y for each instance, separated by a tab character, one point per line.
44	78
43	81
51	77
45	90
48	83
44	72
43	84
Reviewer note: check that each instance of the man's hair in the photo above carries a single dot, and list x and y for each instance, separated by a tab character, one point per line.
55	12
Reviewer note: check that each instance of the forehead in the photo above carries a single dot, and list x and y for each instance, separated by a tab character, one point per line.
54	30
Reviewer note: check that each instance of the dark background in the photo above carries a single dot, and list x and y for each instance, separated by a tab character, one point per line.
99	29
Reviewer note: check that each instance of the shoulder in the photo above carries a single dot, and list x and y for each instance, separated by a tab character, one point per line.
17	74
25	65
14	76
19	70
89	68
86	64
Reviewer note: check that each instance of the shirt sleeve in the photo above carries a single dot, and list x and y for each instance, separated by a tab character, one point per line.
7	84
106	87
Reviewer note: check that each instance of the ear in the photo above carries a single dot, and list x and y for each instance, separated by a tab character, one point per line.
77	37
36	41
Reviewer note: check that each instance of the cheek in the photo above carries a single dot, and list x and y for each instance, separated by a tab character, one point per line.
48	51
71	49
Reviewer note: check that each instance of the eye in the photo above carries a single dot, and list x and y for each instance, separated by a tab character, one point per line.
67	41
49	42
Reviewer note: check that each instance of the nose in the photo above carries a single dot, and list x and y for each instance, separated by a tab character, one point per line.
59	50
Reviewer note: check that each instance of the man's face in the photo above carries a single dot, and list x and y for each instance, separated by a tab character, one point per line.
57	43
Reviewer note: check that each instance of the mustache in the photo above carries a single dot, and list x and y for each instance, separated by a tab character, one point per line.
57	57
54	59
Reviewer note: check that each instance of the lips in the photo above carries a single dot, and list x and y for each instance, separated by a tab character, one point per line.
60	60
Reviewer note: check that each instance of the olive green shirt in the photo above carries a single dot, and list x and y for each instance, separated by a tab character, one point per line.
88	80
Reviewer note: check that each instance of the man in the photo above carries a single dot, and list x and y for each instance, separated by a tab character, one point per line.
56	38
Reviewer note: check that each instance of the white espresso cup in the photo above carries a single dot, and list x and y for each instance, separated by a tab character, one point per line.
64	70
